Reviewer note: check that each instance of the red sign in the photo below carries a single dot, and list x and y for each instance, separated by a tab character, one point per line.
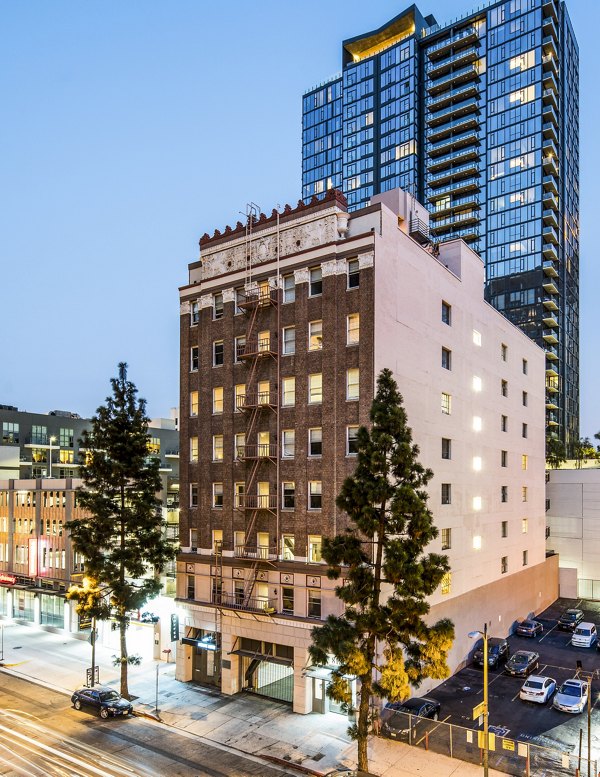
6	578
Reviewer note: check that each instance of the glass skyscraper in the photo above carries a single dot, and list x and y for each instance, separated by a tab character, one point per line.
479	119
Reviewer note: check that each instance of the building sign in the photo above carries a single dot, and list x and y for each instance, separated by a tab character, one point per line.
174	627
6	578
33	557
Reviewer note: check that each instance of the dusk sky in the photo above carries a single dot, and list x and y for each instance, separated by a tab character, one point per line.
132	128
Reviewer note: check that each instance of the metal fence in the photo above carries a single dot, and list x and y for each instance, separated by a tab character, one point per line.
511	756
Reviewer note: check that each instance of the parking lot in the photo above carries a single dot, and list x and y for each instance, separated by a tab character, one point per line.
527	721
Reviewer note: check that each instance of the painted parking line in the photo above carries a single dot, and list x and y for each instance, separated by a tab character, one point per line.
546	633
427	733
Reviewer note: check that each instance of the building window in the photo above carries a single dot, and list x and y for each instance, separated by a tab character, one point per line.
503	352
504	423
476	337
504	565
287	601
239	445
195	312
239	396
351	440
217	447
264	393
217	495
264	341
193	495
314	603
315	441
352	329
314	495
446	313
477	503
288	392
477	384
240	347
193	403
315	388
288	443
240	297
446	359
524	494
353	274
289	340
194	358
352	383
446	583
524	461
66	437
446	448
524	525
446	493
217	353
217	402
504	458
39	435
524	430
191	586
289	495
316	282
524	366
446	539
239	489
446	403
315	335
193	449
287	547
477	463
314	548
525	558
477	423
10	432
504	388
524	399
289	288
504	529
217	306
504	493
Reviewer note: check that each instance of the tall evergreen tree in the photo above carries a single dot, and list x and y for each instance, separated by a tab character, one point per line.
382	638
122	534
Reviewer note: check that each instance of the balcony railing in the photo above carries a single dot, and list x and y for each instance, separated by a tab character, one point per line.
470	200
461	155
256	552
462	171
549	200
462	74
550	234
550	64
462	36
263	346
549	46
260	451
551	352
469	138
466	122
469	217
256	399
258	296
550	218
258	501
454	95
549	268
438	66
549	302
252	604
468	184
469	106
549	336
549	184
550	286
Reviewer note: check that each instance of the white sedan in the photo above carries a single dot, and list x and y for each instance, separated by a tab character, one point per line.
538	689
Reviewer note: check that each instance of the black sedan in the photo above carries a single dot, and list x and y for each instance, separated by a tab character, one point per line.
522	663
396	716
497	651
570	619
105	701
529	628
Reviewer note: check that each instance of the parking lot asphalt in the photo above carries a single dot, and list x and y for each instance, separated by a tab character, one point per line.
531	722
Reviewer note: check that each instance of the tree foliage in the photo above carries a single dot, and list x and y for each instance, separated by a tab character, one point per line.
382	638
121	534
583	449
555	453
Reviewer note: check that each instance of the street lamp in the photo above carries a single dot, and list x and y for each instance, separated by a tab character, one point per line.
486	743
52	440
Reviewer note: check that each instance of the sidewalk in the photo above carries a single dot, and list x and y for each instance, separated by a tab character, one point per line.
317	744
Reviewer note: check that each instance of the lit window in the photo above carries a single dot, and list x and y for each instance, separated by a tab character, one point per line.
264	392
476	503
315	335
446	403
352	329
240	396
315	441
287	544
446	539
314	495
446	493
218	306
524	461
194	358
314	548
477	423
446	583
193	403
446	359
289	288
217	353
289	340
477	463
352	440
288	392
476	383
315	388
477	542
217	399
264	341
288	443
314	603
525	525
316	282
524	493
193	449
476	337
352	383
217	447
353	274
446	313
217	495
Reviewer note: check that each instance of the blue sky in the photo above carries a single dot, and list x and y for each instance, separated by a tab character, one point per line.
128	130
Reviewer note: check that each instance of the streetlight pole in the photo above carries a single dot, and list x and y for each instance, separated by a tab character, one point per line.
486	739
52	439
93	640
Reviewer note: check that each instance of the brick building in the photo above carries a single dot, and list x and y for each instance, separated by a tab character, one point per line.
285	324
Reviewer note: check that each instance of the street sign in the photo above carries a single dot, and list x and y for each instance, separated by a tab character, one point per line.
174	627
491	740
478	710
88	676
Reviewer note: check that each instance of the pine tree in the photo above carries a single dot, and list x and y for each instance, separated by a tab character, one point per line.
122	534
382	638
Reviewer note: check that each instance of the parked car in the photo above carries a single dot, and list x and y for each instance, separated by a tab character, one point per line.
529	628
570	619
584	635
572	696
106	701
538	689
395	715
522	663
497	651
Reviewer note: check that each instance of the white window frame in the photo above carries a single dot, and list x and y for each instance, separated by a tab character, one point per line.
315	335
352	328
315	388
351	383
285	344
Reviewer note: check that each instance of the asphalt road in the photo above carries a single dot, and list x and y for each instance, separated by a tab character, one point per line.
527	721
41	735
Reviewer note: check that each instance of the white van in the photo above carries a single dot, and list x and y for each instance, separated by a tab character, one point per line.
585	635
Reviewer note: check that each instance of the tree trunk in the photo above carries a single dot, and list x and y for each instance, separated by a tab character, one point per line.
124	664
362	723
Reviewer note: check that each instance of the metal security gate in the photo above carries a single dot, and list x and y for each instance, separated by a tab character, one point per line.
272	679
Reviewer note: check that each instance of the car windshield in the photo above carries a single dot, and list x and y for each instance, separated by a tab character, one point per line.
583	632
527	624
109	696
571	690
570	616
520	658
534	684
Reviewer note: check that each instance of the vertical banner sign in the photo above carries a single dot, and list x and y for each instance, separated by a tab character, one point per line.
174	627
33	559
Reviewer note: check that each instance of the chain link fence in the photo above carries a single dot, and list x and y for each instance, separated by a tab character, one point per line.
511	756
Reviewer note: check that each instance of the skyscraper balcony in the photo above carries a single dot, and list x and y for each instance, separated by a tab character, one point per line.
462	37
445	130
469	138
549	201
549	9
460	155
469	106
549	285
550	251
454	173
467	73
550	218
436	102
550	336
550	268
442	66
